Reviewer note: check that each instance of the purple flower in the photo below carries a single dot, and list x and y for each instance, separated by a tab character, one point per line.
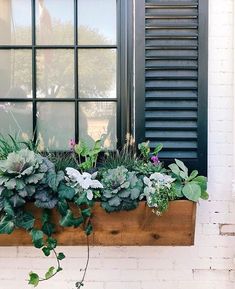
155	160
72	143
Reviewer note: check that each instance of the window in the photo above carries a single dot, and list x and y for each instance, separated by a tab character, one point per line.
63	71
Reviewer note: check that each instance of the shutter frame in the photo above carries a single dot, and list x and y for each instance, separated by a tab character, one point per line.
191	79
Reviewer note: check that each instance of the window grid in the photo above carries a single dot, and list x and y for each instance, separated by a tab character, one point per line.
75	47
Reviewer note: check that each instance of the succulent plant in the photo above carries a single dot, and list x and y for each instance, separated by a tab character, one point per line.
121	189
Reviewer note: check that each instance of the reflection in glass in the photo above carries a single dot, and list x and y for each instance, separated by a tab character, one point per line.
97	120
55	123
55	73
97	22
16	119
15	22
15	73
97	73
54	22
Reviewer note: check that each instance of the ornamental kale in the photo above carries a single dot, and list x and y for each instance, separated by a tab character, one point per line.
158	191
121	189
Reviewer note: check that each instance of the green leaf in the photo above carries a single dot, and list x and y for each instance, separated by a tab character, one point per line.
86	213
202	182
49	273
25	220
60	256
192	191
66	192
8	208
204	195
52	243
54	179
33	279
62	207
37	238
175	169
46	251
158	149
192	175
182	166
177	188
88	229
6	225
67	220
48	228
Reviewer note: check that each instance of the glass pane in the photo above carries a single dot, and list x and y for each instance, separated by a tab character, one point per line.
15	22
55	73
97	22
55	125
15	73
97	120
16	119
97	73
54	22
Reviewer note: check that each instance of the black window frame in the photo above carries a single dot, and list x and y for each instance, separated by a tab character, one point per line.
123	47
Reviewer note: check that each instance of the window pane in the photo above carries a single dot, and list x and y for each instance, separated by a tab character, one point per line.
55	125
97	73
15	22
55	73
97	22
15	73
55	22
97	120
16	119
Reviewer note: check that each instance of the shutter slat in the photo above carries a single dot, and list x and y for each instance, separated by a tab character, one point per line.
171	76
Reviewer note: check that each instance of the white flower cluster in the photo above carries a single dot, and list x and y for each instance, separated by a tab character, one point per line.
83	182
154	184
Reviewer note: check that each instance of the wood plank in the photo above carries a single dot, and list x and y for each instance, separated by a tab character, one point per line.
138	227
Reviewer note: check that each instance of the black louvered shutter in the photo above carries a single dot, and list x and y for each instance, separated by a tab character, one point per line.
176	79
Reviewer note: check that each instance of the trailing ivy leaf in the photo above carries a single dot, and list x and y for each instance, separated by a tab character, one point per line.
37	238
175	169
6	225
86	213
192	191
48	228
46	251
88	229
33	279
60	256
67	220
82	200
25	220
54	179
66	192
8	208
52	243
62	207
49	273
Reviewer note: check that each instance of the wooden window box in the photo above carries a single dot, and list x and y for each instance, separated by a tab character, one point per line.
139	227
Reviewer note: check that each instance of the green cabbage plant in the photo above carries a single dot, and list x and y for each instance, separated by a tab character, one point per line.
121	191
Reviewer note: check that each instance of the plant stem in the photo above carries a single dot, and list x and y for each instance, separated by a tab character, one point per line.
57	270
80	283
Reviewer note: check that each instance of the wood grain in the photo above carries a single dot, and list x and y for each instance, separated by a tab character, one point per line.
139	227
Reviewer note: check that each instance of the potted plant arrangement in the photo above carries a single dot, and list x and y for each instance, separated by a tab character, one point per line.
43	194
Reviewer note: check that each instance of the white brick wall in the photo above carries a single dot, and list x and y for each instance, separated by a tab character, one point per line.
211	262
